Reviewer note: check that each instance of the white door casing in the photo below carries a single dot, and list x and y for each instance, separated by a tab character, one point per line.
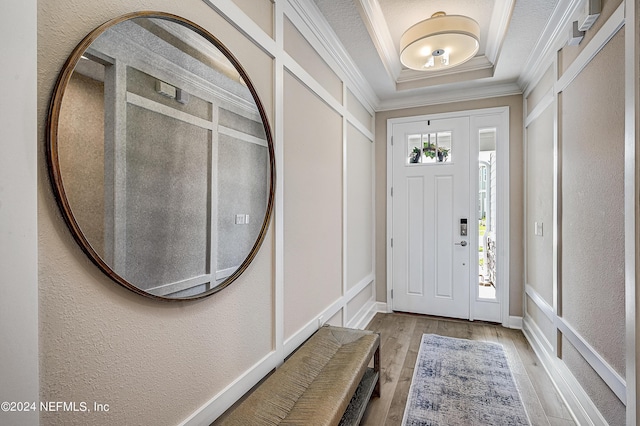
431	259
476	308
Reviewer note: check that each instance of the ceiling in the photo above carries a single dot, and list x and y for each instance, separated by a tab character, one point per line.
370	31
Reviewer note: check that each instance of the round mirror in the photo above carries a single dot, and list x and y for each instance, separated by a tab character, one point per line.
160	156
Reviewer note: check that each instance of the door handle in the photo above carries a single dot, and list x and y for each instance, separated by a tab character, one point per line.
461	243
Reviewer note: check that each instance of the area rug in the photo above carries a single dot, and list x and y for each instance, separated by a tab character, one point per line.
462	382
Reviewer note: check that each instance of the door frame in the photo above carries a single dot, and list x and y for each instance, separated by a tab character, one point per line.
502	207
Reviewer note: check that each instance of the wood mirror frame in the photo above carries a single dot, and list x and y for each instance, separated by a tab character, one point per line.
58	171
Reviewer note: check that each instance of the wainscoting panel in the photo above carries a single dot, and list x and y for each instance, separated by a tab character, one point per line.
566	321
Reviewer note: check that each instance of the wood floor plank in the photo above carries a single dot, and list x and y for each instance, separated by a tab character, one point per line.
454	328
400	336
395	336
399	401
546	391
530	400
554	421
505	338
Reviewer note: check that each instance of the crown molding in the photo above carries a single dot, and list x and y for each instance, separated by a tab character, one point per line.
553	37
378	29
482	91
500	19
310	15
430	78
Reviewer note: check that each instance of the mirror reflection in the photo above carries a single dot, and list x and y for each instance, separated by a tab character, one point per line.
163	159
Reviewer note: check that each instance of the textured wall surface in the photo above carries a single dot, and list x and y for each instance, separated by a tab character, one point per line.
568	54
591	286
593	205
260	11
516	265
153	363
540	165
541	89
608	404
81	155
312	205
166	199
359	111
303	53
359	226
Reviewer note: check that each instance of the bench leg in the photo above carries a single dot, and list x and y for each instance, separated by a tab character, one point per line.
376	368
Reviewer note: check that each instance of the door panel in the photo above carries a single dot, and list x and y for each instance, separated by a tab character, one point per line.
415	250
430	272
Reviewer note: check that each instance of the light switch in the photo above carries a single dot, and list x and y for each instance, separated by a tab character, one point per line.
240	219
246	219
537	229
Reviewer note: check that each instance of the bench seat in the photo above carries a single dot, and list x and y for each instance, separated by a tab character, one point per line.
316	385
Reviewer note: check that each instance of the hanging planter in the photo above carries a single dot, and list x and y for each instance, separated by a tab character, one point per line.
429	150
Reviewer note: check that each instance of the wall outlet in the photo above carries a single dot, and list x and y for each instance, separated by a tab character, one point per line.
320	321
537	229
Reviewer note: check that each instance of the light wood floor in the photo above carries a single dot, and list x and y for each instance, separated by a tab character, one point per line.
400	336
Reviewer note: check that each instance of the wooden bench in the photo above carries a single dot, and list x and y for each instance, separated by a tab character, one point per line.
327	381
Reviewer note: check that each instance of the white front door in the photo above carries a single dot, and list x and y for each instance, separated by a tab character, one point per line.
431	256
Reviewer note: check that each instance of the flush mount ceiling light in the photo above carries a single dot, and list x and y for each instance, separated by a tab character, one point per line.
442	41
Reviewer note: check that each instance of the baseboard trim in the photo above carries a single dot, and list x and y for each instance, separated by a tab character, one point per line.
610	376
220	403
364	316
606	372
515	322
582	409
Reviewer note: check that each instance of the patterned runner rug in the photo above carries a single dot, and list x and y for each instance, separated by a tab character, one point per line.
462	382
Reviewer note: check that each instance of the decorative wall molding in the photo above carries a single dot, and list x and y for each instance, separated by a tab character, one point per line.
217	405
542	304
310	327
632	206
326	43
300	13
607	373
600	366
243	23
556	367
544	103
602	37
565	381
577	401
364	316
553	37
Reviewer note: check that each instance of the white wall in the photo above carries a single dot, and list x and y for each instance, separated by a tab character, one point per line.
18	220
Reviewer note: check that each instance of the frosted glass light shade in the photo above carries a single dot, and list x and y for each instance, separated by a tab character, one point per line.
442	41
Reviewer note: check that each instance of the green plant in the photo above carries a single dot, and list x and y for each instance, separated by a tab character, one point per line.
414	157
429	150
